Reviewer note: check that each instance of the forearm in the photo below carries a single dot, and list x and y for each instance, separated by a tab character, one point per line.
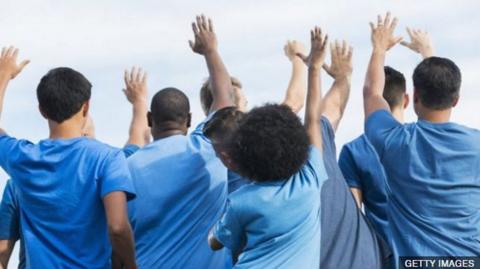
123	248
6	248
314	99
220	79
295	95
139	132
4	80
374	83
335	100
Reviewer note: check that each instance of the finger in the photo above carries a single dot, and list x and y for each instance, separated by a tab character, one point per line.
145	77
325	42
344	48
23	64
338	49
210	25
398	40
410	33
15	53
326	68
302	56
394	24
126	75
191	44
332	52
379	20
350	53
312	35
195	28
9	51
199	24
387	19
372	26
406	44
204	23
133	74
125	92
139	75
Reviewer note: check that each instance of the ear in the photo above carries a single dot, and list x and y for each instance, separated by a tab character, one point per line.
149	119
189	120
406	100
416	99
42	112
227	161
455	102
85	109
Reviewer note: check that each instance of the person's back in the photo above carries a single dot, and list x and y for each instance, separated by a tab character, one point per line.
181	188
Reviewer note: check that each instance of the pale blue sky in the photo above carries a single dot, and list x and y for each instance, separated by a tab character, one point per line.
102	38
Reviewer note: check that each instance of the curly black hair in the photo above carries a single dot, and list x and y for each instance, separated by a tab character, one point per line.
271	144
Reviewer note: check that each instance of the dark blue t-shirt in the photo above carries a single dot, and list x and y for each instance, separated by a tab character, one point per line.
347	239
433	173
60	186
362	169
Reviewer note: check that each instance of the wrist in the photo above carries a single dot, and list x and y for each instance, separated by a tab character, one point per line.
379	50
314	68
140	103
343	80
5	75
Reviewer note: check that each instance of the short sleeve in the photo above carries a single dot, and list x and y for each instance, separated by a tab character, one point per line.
378	127
115	175
8	146
199	129
9	214
229	230
130	149
349	168
316	165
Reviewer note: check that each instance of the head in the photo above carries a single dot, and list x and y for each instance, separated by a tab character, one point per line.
395	90
238	98
270	144
436	84
169	113
220	129
63	95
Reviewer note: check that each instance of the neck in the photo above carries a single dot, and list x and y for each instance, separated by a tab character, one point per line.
398	113
168	129
435	116
65	130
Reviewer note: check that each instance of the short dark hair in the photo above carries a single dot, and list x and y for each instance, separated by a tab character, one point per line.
271	144
395	87
437	82
223	124
206	97
170	104
62	92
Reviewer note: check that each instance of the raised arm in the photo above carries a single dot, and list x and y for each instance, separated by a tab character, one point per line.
206	44
6	248
314	93
340	70
420	42
382	40
9	69
137	93
295	95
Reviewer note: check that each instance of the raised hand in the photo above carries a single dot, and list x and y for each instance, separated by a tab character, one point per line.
205	38
292	48
420	42
136	86
8	63
341	66
317	51
383	38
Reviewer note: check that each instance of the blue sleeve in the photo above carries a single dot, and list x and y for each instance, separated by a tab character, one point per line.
316	165
229	230
9	148
349	168
9	214
115	175
199	129
130	149
328	138
378	127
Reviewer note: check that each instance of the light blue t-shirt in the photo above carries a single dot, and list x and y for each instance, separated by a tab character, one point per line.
182	189
60	185
276	224
10	212
433	172
362	170
235	181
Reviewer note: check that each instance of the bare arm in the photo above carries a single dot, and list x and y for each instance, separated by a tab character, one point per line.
9	69
213	242
420	42
295	95
206	44
357	194
6	248
121	238
137	93
340	70
314	93
382	40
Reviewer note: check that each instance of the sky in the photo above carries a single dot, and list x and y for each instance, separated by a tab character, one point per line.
102	38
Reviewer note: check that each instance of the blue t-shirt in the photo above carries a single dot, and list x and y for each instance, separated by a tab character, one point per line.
10	219
433	173
362	169
182	190
235	181
276	224
10	212
60	185
347	239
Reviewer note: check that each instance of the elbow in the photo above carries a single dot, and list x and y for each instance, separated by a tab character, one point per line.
214	243
118	230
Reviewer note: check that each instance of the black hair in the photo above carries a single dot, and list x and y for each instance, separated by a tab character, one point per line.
223	124
170	104
62	92
395	87
437	82
270	144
